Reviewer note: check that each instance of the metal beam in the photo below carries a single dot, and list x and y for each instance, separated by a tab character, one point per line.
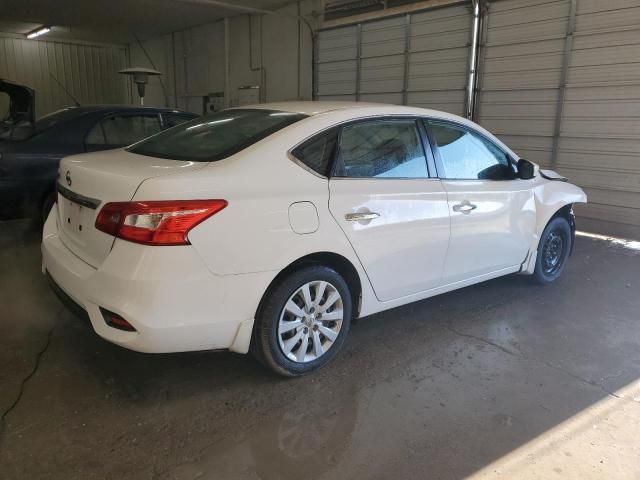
389	12
568	48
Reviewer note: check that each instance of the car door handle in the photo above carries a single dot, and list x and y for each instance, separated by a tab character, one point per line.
464	207
361	216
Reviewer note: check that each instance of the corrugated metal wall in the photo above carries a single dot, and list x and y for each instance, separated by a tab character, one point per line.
520	74
560	83
88	72
416	59
599	146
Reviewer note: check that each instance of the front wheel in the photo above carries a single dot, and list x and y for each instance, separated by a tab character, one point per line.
553	251
303	321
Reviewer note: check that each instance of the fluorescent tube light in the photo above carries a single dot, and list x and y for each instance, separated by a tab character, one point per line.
37	32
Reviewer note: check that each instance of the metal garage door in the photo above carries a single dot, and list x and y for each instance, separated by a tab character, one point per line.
416	59
560	83
520	73
599	145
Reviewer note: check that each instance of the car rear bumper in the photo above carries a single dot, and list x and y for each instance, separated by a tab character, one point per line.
166	293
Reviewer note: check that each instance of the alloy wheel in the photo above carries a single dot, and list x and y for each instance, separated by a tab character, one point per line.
310	321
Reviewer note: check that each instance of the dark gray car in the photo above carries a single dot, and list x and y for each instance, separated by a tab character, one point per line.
31	150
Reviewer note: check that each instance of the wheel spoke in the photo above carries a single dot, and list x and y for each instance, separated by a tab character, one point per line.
291	342
322	286
302	351
317	344
288	326
293	308
327	332
306	293
333	316
333	298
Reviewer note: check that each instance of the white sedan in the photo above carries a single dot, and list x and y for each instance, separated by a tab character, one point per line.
270	228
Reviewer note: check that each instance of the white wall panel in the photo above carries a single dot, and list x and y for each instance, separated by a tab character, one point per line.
89	72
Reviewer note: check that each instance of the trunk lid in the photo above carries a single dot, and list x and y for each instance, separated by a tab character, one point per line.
86	182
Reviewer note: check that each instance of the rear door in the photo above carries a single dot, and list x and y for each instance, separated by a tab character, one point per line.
492	211
392	212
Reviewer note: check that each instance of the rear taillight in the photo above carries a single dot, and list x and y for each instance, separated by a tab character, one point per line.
164	222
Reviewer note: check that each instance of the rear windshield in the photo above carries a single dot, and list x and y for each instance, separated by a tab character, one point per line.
215	136
59	116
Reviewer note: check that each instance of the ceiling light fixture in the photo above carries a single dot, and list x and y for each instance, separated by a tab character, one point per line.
38	32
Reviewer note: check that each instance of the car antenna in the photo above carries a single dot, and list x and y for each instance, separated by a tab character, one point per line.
65	90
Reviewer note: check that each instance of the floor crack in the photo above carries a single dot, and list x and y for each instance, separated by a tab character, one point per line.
522	355
33	371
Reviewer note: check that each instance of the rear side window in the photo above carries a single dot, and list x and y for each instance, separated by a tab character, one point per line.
381	149
317	152
127	129
215	136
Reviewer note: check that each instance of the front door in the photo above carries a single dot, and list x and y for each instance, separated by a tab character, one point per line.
492	211
394	215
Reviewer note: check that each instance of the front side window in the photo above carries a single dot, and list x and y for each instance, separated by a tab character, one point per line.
381	149
318	152
215	136
466	155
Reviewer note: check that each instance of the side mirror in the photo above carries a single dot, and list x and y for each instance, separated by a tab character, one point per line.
526	169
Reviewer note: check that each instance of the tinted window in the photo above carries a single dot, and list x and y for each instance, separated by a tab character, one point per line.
57	117
172	119
382	148
95	136
123	130
215	136
467	155
317	152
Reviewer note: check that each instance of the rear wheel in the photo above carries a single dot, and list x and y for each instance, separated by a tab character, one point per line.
553	251
303	321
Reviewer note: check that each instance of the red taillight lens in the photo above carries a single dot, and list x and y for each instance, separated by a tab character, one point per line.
156	223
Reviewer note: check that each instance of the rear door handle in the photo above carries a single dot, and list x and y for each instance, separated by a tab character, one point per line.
361	216
464	207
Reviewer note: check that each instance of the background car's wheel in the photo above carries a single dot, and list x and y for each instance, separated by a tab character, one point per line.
553	251
303	321
47	204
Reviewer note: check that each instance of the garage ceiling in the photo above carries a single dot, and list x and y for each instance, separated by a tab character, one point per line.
117	20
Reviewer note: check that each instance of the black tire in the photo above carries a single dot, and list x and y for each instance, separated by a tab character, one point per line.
265	344
553	251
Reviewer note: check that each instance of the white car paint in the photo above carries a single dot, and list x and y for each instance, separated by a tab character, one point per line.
205	295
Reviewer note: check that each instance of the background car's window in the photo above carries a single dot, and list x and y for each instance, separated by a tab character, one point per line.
466	155
383	149
216	136
95	136
172	119
124	130
317	152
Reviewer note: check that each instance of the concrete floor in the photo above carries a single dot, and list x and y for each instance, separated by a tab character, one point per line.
500	380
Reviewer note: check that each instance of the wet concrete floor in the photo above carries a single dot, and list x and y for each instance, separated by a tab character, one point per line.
442	389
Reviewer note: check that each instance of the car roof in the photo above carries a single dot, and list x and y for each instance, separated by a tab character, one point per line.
119	108
318	107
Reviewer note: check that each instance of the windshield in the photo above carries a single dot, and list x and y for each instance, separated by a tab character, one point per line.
215	136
